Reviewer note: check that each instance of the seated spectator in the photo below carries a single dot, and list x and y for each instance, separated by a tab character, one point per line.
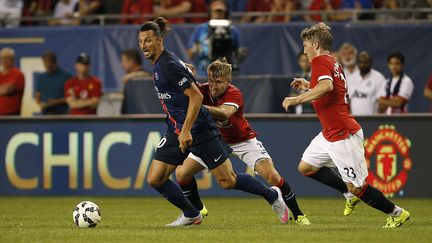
238	5
364	89
390	5
131	63
305	66
11	84
136	7
83	92
201	39
257	6
348	57
198	6
88	7
10	12
318	5
428	90
283	7
353	4
50	87
64	13
171	8
399	88
38	8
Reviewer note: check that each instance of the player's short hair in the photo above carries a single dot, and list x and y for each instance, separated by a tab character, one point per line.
49	56
366	54
347	45
160	27
220	68
397	55
133	55
8	51
319	33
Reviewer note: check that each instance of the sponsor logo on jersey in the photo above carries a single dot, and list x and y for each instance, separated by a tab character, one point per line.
388	160
182	81
164	96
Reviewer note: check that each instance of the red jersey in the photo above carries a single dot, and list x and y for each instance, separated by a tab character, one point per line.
10	104
236	129
332	109
83	89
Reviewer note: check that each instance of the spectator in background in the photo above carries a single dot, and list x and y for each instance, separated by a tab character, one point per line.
257	6
171	8
428	90
88	7
136	7
283	7
199	43
131	63
364	89
10	9
11	84
38	8
318	5
390	5
50	87
238	5
83	92
399	88
305	73
353	5
64	12
348	57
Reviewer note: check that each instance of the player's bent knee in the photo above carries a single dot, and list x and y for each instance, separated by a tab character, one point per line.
306	169
181	176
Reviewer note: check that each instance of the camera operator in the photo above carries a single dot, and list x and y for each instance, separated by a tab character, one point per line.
214	39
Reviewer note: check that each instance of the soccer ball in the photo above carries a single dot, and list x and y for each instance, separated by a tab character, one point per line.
86	215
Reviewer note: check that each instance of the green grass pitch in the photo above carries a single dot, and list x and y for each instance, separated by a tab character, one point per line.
135	219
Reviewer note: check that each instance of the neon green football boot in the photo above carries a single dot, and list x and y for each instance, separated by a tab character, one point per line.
350	204
303	220
204	211
396	221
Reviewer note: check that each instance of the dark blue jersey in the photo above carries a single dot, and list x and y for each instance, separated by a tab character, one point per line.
171	78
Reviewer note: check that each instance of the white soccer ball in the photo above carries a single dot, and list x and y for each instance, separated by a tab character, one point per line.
86	214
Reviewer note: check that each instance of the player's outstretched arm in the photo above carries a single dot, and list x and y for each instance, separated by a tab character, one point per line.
222	112
195	101
322	88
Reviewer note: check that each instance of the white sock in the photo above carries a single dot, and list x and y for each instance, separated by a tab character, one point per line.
396	211
348	195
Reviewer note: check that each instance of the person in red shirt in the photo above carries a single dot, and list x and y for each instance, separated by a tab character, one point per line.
11	84
428	90
171	8
138	7
83	92
341	141
225	103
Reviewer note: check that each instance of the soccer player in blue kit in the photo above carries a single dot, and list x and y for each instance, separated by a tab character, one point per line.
190	129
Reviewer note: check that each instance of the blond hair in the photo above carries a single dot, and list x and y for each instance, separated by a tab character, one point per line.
319	33
220	68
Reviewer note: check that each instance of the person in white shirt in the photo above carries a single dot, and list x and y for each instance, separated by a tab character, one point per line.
64	12
399	88
364	88
348	57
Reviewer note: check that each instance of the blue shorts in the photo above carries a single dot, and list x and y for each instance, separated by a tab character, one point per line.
213	151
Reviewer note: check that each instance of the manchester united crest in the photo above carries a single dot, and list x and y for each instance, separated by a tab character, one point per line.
388	159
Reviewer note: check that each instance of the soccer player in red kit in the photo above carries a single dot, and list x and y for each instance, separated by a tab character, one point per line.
341	141
225	103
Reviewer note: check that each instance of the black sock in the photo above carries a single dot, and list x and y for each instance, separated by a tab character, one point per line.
174	195
374	198
289	198
190	191
328	177
247	183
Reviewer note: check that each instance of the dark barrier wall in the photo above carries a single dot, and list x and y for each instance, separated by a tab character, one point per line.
272	48
106	156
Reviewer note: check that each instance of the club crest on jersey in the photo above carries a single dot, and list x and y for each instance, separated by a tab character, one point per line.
388	151
182	81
